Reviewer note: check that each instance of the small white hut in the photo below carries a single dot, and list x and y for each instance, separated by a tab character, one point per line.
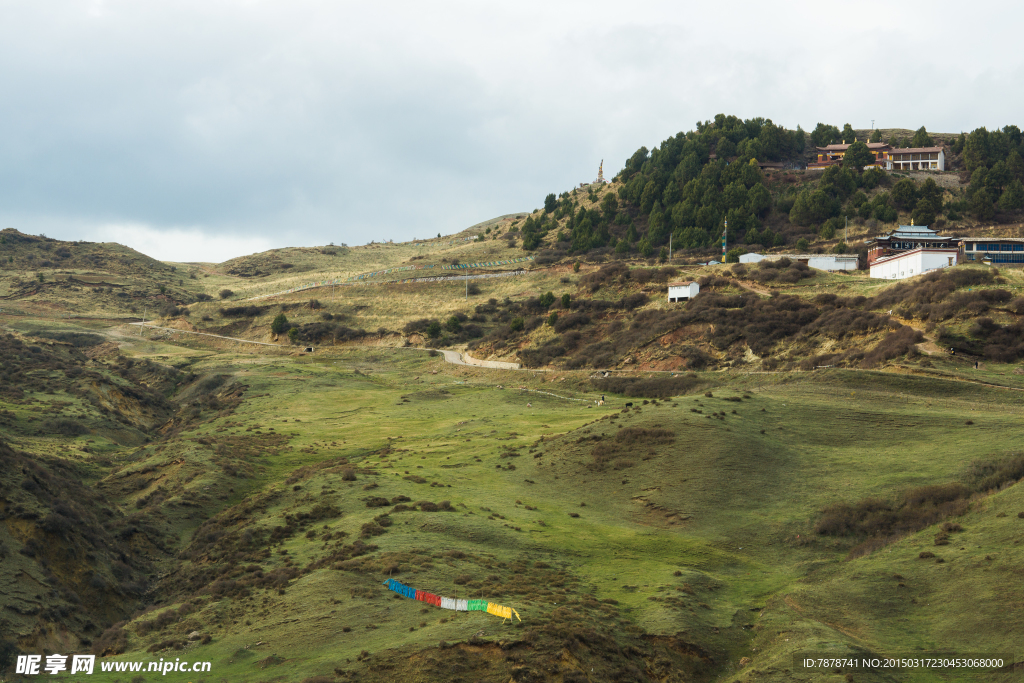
682	291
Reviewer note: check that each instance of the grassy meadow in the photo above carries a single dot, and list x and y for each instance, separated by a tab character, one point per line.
256	498
702	536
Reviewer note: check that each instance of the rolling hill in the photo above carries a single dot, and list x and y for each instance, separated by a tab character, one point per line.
791	464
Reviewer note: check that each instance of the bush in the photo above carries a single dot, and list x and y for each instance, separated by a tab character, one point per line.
570	321
113	641
633	301
280	324
8	654
517	324
654	387
76	339
894	344
64	427
242	311
225	293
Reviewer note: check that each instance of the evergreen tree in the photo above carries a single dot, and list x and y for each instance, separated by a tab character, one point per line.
981	205
550	203
1015	165
931	191
904	193
609	206
976	150
280	324
858	156
799	140
733	255
631	235
998	177
876	136
650	194
958	146
759	201
924	212
824	135
1012	198
849	136
921	139
726	149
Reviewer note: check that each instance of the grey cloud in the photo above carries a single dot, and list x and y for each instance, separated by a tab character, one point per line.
307	122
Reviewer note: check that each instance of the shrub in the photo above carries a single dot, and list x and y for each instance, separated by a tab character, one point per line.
242	311
894	344
570	321
633	301
76	339
654	387
280	324
65	427
226	293
113	641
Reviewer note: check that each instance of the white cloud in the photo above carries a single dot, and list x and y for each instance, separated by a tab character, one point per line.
181	244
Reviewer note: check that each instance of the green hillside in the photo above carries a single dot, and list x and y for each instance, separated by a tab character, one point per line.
792	464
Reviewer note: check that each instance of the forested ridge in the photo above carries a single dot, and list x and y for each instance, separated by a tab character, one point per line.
689	186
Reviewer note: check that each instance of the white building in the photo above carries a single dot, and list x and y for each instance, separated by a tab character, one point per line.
682	291
817	261
910	263
832	261
916	159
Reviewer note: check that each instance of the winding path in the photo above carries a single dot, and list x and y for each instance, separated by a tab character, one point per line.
207	334
465	359
453	357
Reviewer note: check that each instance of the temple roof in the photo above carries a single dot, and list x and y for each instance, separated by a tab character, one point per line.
915	150
917	231
842	147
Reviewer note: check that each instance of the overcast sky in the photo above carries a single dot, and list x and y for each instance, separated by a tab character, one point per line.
203	130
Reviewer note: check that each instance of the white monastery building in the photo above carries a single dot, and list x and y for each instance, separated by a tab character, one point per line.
682	291
910	263
817	261
916	159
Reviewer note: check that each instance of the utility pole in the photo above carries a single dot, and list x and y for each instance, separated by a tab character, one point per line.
670	246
